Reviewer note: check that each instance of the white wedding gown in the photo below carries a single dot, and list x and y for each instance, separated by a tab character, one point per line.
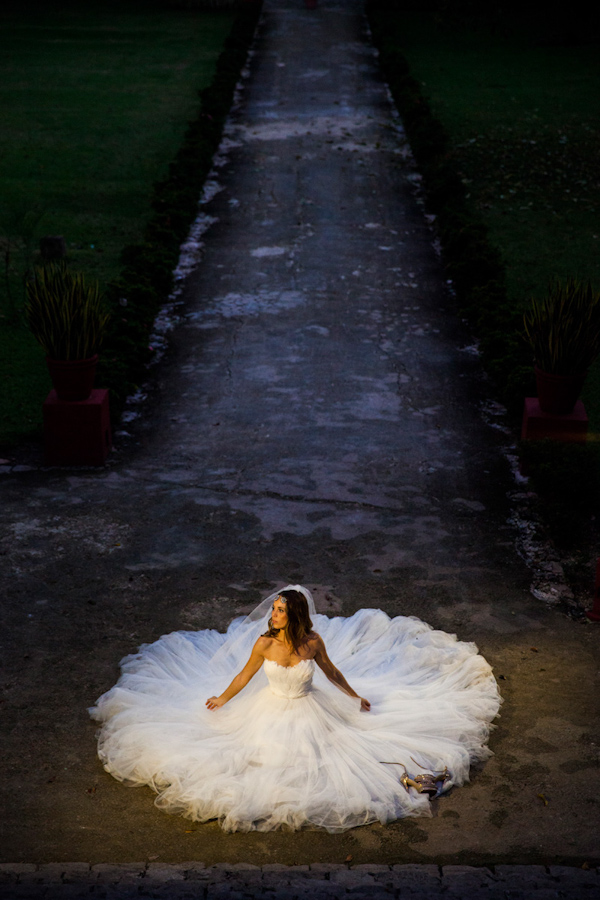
291	749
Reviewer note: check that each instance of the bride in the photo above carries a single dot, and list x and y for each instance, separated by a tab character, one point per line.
274	748
289	641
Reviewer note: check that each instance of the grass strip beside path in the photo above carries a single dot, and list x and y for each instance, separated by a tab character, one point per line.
95	100
147	277
505	131
522	123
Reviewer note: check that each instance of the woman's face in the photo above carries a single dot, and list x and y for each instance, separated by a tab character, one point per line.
279	616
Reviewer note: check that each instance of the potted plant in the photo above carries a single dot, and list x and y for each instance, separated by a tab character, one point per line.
563	330
66	316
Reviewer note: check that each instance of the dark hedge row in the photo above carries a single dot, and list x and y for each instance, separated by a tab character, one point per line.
474	265
146	279
566	476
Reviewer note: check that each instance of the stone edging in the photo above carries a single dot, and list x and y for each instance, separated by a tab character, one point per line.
319	879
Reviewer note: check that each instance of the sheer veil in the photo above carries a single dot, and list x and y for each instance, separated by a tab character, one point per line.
244	631
298	751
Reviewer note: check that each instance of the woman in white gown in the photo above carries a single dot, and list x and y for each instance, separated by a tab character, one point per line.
276	749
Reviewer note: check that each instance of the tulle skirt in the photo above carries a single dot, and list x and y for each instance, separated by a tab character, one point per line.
264	761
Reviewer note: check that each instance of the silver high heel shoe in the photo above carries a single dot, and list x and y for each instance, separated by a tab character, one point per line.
430	784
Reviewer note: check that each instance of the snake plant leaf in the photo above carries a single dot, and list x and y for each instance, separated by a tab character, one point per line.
65	312
563	328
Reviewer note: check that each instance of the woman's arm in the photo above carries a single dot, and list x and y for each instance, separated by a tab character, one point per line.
242	678
334	675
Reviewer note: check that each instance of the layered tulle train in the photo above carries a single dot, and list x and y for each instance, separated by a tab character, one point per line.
290	751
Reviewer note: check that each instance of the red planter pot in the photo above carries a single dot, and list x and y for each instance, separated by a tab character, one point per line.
72	379
558	394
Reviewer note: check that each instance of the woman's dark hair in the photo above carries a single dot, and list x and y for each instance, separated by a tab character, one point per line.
299	622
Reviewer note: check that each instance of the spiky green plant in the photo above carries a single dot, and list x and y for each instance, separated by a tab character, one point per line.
65	313
563	328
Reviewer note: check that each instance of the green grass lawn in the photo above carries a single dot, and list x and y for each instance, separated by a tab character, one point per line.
523	120
94	102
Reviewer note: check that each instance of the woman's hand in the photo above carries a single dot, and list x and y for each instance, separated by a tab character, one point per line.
215	702
365	706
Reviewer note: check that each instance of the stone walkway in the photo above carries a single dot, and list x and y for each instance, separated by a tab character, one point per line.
318	419
194	881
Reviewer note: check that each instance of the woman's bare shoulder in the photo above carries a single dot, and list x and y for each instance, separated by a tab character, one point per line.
263	643
319	650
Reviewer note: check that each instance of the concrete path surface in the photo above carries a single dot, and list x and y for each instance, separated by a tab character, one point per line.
318	420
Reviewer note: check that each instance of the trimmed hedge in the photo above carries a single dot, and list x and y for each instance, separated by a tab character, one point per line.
565	476
146	279
476	268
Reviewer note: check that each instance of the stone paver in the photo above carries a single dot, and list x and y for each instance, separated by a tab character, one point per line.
338	881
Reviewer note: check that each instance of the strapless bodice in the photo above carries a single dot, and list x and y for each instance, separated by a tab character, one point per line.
293	750
290	682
